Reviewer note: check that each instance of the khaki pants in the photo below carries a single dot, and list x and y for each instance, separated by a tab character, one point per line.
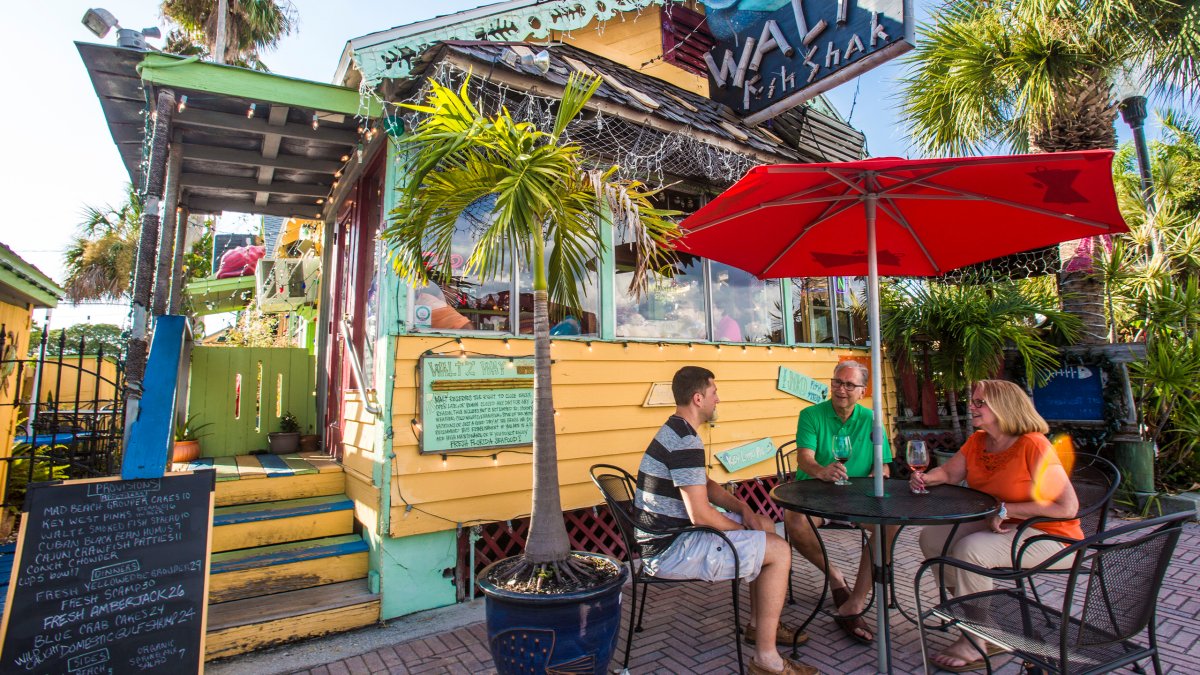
978	545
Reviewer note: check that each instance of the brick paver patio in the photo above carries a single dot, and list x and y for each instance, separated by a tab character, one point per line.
688	627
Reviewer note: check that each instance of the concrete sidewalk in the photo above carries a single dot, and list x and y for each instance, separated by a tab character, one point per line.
677	639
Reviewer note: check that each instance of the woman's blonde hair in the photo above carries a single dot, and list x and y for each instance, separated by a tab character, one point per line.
1011	405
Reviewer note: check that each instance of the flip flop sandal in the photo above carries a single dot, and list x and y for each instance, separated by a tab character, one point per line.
850	625
978	664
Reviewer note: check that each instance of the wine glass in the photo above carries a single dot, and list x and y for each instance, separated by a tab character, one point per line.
918	460
841	452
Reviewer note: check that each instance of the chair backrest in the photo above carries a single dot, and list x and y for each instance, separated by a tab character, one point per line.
785	462
1123	570
1095	480
617	487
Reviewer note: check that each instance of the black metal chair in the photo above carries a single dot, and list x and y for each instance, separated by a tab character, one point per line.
1110	598
618	486
1095	480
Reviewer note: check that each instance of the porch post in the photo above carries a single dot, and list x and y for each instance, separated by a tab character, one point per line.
181	230
143	276
170	223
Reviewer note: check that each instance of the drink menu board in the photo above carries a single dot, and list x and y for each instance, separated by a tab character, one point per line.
111	576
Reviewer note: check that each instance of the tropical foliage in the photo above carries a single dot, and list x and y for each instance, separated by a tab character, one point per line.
545	217
251	27
965	329
99	260
1038	75
92	336
1152	286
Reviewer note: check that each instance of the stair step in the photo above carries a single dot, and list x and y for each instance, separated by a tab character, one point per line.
263	524
240	479
265	570
246	625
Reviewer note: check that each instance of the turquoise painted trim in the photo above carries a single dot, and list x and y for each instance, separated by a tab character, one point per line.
393	307
151	436
789	317
253	513
321	548
411	579
607	283
275	466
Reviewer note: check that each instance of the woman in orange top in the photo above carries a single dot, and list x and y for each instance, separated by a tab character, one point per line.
1010	459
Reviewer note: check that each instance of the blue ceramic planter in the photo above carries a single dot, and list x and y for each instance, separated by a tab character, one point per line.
566	633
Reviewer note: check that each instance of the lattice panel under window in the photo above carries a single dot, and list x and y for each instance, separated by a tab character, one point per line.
589	529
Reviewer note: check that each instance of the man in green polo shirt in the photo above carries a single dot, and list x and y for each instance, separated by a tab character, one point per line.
816	429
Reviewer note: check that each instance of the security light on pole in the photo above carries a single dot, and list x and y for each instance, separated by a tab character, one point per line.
100	21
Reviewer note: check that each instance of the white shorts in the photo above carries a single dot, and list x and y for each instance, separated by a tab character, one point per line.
702	555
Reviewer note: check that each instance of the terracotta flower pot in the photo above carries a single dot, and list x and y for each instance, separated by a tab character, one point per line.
186	451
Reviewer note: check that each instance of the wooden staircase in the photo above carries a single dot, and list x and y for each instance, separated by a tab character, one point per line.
286	563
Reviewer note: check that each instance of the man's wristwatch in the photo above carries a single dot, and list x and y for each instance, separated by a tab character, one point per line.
1002	514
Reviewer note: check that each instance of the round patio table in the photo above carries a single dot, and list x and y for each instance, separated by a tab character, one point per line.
944	505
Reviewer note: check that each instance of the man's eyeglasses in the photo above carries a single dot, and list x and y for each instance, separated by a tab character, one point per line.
842	384
977	402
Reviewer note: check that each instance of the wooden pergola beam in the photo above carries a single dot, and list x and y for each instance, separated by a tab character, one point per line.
218	120
251	158
205	180
208	205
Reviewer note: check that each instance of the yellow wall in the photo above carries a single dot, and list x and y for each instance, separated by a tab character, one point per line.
358	458
65	389
633	42
598	396
16	320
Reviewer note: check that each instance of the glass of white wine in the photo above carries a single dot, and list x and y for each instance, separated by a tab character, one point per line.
842	446
918	460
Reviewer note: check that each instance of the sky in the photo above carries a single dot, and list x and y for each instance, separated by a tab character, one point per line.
61	156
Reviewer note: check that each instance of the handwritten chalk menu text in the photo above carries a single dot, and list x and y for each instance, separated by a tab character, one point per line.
472	402
110	576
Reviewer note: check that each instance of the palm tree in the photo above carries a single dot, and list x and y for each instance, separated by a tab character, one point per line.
1037	75
251	26
544	198
970	326
99	260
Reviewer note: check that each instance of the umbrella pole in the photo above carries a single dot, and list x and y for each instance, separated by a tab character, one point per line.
881	618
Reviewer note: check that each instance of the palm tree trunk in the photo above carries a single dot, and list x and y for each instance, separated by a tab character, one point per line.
955	421
548	541
1086	122
143	277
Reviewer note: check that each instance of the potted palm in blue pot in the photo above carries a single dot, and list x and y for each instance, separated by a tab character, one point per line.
549	608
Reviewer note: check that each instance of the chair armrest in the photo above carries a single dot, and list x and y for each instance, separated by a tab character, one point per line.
998	574
1020	552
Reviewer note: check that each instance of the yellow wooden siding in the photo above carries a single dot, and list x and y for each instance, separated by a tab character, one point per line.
598	395
636	43
63	388
16	321
358	436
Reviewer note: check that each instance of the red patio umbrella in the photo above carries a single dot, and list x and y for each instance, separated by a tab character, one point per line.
900	217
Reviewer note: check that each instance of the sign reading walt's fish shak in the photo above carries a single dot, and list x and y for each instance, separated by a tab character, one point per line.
772	55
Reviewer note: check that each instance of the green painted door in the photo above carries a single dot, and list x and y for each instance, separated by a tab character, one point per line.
243	391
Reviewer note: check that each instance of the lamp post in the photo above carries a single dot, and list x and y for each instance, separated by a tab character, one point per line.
100	21
1133	111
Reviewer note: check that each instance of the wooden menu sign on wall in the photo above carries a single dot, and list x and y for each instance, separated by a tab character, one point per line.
111	576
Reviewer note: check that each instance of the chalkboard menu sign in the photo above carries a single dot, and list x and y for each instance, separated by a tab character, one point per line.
1073	394
470	402
111	576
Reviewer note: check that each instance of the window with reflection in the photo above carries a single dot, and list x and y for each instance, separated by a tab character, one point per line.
672	306
745	308
811	310
851	296
564	321
464	301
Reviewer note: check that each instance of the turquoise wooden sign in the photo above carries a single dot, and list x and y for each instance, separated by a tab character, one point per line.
802	386
744	455
471	402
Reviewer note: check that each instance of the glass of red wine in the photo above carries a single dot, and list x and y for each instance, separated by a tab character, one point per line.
918	460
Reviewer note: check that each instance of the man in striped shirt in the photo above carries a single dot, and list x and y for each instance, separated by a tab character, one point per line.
673	490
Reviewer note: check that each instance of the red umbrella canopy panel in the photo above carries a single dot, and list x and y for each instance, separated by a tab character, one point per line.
933	215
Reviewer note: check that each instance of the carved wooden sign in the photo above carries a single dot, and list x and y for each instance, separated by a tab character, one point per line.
772	55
